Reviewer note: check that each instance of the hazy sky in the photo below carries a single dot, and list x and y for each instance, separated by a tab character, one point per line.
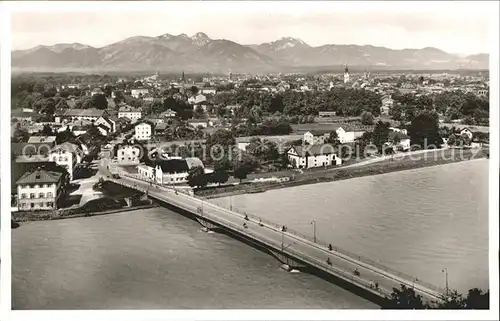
454	27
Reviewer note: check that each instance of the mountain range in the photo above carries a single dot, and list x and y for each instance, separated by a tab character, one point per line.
199	53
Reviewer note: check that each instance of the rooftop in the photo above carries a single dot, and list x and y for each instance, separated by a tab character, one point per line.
41	139
39	176
314	150
91	112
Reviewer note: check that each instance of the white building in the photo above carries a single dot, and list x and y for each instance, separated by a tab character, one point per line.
138	92
106	121
313	156
128	155
170	171
66	155
134	114
39	190
347	135
96	91
466	131
142	131
316	137
208	90
169	113
91	114
198	99
200	123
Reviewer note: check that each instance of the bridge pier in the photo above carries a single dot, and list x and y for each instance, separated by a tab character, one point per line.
288	262
207	226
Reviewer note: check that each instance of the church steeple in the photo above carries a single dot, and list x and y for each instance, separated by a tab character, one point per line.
346	74
183	77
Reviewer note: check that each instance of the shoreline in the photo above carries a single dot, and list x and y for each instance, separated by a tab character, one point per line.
382	167
36	217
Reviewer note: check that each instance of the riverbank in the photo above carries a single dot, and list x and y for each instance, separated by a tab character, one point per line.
59	215
397	163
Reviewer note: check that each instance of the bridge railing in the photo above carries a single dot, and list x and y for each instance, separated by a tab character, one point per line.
319	243
360	258
313	261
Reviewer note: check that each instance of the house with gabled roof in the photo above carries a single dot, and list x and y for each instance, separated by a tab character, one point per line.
169	171
316	137
309	156
68	156
39	190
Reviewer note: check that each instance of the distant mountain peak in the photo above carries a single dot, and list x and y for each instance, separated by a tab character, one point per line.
200	39
292	40
286	43
166	36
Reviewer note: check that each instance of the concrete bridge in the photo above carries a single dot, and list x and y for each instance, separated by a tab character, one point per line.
289	247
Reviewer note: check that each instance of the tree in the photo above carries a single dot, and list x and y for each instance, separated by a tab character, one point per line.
380	134
241	171
219	177
99	101
424	131
194	90
222	164
333	139
452	300
84	103
476	299
404	298
367	118
65	136
47	131
196	177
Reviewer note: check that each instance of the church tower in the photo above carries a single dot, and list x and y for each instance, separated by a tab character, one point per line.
183	77
346	75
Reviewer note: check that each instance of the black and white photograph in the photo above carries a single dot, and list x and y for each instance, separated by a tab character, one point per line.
252	155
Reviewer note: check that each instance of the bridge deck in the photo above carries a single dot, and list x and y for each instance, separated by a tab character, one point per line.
269	234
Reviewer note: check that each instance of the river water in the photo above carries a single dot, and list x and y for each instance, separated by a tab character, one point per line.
417	221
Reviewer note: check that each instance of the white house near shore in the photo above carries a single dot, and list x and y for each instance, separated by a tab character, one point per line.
348	135
313	156
169	171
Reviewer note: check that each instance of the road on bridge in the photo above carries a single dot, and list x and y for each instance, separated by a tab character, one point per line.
308	251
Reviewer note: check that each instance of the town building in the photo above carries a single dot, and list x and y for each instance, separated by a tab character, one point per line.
316	137
91	114
200	123
198	99
134	114
399	140
24	116
208	91
128	155
39	190
169	113
466	131
109	123
310	156
326	114
103	130
68	156
139	92
169	171
346	134
42	144
96	91
142	131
